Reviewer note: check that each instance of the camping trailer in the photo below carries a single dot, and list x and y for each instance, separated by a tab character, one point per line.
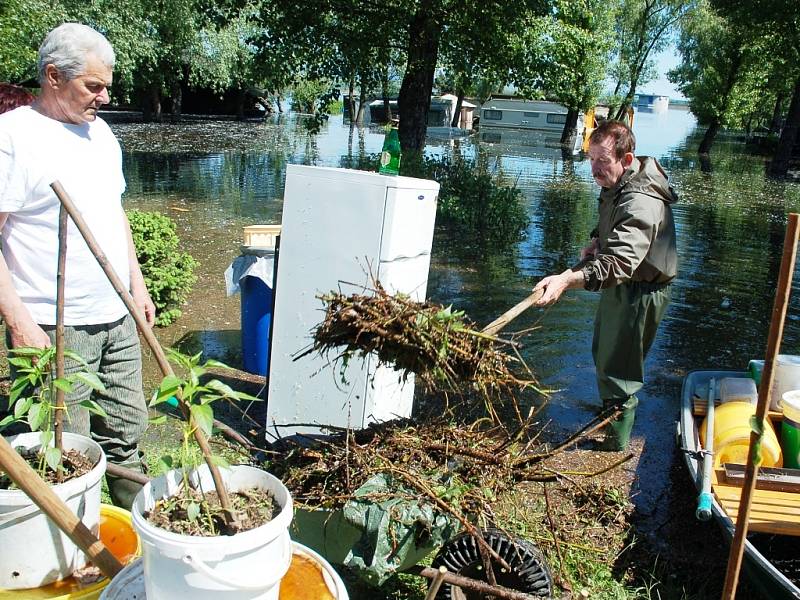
518	113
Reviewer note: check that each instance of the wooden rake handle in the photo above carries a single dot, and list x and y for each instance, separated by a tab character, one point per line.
512	313
45	498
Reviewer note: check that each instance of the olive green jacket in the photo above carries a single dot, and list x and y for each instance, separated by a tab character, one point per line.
635	230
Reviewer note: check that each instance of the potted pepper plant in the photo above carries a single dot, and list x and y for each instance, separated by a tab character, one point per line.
73	464
200	539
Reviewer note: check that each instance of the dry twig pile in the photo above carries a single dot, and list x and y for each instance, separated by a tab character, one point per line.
469	466
440	345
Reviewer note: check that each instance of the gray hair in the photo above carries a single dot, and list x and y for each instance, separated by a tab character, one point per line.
67	46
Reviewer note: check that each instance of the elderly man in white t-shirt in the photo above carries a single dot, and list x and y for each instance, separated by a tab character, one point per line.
61	138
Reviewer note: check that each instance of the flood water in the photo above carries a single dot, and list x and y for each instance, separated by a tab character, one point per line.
214	177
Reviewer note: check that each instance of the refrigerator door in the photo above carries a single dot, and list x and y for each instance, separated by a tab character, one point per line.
408	222
406	275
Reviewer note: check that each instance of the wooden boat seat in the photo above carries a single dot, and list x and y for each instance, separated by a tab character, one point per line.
771	511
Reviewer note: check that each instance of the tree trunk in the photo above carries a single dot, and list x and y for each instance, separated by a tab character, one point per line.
177	102
351	104
151	104
350	145
783	153
387	107
415	92
627	102
457	112
570	128
708	138
241	96
775	122
705	163
362	102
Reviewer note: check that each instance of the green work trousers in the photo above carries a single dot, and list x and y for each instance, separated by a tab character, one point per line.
625	326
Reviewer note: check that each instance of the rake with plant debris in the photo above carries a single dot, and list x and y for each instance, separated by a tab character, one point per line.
441	346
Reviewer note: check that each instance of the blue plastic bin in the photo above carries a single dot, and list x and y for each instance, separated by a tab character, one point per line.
257	304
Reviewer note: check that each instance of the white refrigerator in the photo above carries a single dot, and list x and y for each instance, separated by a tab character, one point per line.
340	229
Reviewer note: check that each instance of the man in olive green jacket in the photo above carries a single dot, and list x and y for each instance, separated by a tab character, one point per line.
631	259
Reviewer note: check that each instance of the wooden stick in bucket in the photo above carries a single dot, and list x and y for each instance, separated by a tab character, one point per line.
764	390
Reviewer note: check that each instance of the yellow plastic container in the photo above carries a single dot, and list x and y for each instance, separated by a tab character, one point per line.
732	436
117	533
262	236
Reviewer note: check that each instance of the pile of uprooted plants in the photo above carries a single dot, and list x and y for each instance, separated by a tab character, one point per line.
445	350
459	469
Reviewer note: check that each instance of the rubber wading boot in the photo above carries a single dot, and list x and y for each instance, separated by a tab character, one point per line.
618	431
123	491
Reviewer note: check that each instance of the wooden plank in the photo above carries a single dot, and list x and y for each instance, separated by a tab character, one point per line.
769	478
770	512
699	409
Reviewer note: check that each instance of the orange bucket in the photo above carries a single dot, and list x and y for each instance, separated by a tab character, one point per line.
117	533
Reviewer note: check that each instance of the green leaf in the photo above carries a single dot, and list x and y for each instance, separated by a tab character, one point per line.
52	457
94	407
27	351
215	364
168	388
63	385
159	420
203	415
45	438
20	362
193	511
22	406
91	380
19	386
165	463
7	421
76	357
224	389
36	416
756	426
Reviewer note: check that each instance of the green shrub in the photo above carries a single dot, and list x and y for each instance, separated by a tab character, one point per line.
168	273
473	200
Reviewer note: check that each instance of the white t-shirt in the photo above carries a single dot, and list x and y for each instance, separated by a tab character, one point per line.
35	151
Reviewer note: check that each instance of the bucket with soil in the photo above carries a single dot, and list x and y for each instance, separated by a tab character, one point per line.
192	562
35	551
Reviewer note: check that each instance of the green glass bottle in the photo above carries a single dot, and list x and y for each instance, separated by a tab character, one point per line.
390	155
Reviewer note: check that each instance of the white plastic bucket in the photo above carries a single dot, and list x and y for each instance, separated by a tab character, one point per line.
35	551
129	583
245	566
786	378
